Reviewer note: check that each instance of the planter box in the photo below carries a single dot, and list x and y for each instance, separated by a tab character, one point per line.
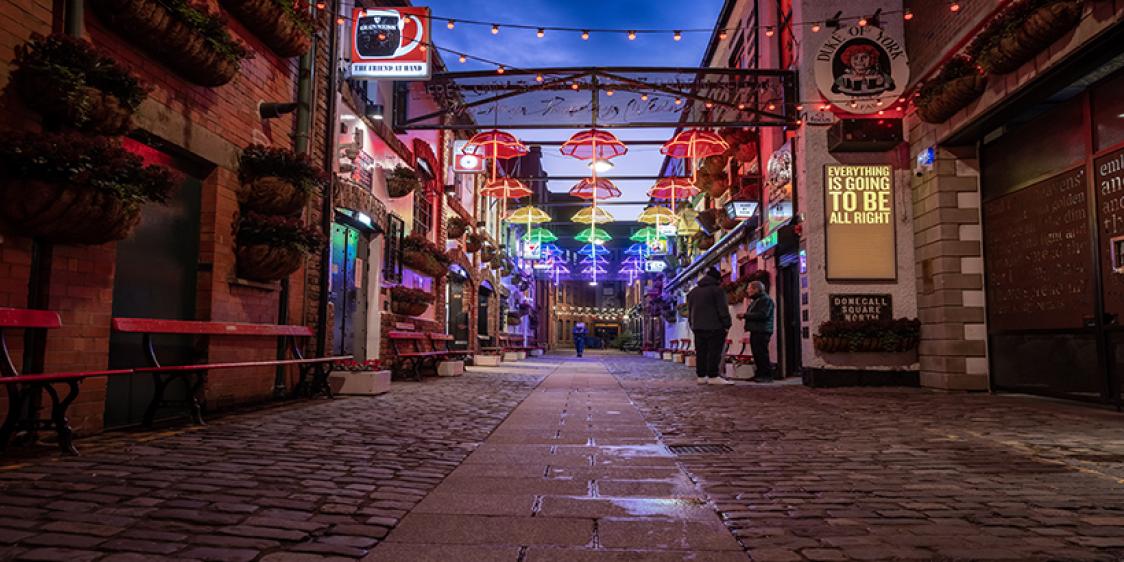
677	357
690	361
536	353
511	356
359	383
862	360
740	372
486	360
450	368
667	356
522	355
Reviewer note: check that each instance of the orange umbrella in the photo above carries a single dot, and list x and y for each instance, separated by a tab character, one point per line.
695	143
495	144
593	144
591	188
673	188
506	188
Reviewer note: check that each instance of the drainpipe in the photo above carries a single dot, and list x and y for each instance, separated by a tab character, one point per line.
327	209
75	15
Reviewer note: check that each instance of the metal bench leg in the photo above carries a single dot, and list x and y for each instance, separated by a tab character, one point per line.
58	416
160	384
193	402
15	412
320	380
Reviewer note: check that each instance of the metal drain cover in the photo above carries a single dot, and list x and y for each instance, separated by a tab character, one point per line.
707	449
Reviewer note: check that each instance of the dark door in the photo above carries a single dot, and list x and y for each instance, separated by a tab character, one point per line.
788	321
482	311
458	313
155	278
348	290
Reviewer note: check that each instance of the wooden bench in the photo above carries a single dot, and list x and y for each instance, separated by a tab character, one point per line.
739	359
313	371
440	343
24	390
410	353
484	343
512	344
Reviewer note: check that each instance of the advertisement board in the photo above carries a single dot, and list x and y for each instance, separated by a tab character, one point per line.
390	43
859	217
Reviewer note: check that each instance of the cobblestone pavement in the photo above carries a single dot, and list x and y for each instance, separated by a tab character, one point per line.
880	474
293	483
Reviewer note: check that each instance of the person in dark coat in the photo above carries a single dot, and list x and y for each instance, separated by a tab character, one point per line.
579	337
759	320
709	318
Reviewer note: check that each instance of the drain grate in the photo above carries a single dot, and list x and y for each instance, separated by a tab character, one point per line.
708	449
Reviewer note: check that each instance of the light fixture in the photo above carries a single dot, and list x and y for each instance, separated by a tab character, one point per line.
540	33
853	103
824	107
678	101
339	20
574	86
954	6
769	31
643	97
592	283
321	5
908	15
722	35
882	112
678	35
799	107
771	106
538	77
495	29
382	36
375	111
709	105
500	69
863	22
462	58
741	106
451	24
600	165
816	27
585	35
631	35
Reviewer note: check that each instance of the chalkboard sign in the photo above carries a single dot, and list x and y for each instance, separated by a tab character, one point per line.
1108	182
855	308
1039	267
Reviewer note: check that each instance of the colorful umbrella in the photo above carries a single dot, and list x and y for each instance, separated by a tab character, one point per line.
593	235
593	250
595	188
551	250
673	188
506	188
496	145
539	236
593	144
591	259
657	215
646	235
638	249
593	215
594	270
695	143
528	215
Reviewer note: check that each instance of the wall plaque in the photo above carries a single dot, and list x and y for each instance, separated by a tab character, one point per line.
853	308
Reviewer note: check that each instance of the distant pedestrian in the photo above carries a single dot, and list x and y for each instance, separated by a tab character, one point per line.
579	337
759	319
709	318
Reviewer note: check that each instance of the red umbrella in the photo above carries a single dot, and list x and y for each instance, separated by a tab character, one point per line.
695	143
595	188
673	188
593	144
495	144
506	188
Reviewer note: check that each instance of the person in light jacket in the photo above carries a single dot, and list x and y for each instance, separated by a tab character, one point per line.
759	320
709	317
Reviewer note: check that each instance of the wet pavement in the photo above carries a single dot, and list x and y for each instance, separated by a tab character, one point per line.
554	458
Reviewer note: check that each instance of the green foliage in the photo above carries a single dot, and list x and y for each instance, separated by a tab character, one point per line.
410	296
299	13
402	173
886	335
211	26
259	161
74	63
957	67
281	232
84	162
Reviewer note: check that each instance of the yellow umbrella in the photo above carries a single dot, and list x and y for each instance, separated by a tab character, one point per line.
657	215
528	215
593	215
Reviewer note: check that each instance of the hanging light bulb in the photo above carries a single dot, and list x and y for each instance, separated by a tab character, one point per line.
678	35
451	24
382	36
678	101
631	35
643	97
339	20
462	58
538	77
799	107
540	33
321	5
863	21
816	27
709	105
741	107
878	103
908	15
954	6
769	31
574	86
495	29
722	35
585	35
609	92
771	106
500	69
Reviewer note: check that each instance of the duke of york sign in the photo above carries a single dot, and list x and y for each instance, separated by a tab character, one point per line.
858	67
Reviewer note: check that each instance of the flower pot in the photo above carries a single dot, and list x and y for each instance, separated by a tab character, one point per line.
275	27
149	25
261	262
472	245
726	222
952	97
86	109
64	215
398	187
422	263
454	230
1028	38
708	220
359	383
408	308
272	196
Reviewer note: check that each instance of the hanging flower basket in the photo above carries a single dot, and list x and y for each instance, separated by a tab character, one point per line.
73	85
868	336
488	255
726	222
423	256
422	263
402	181
514	318
708	220
271	248
408	308
1022	30
473	243
409	302
275	181
69	188
194	43
704	241
285	26
683	310
957	84
456	227
262	262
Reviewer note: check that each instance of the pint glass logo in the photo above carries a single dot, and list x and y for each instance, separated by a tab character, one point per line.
857	67
390	43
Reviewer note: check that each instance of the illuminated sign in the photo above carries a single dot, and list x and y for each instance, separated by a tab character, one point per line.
667	230
658	246
390	43
741	210
532	251
861	68
778	184
655	266
466	163
763	245
859	216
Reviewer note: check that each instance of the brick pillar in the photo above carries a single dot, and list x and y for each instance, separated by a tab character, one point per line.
947	238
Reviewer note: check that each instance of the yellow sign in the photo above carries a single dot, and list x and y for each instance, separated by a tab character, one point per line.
859	213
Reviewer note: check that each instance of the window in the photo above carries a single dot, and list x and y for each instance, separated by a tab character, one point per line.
423	214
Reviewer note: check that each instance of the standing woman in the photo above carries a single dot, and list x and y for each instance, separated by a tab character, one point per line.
579	337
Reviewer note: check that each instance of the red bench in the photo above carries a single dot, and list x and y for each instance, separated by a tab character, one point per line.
410	353
313	371
486	349
24	390
440	344
741	357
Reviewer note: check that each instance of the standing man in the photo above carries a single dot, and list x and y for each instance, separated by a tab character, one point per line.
759	325
709	318
579	337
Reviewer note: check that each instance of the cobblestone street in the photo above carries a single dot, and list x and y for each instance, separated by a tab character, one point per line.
554	458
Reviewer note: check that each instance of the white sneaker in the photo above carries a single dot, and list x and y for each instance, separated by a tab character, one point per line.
720	380
701	380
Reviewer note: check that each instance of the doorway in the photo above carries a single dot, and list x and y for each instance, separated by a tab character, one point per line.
788	317
347	288
457	318
155	277
482	311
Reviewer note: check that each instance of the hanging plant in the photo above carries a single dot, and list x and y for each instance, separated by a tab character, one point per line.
275	181
271	248
70	188
402	181
958	83
712	176
409	302
192	41
284	25
1022	30
456	226
74	85
704	241
473	243
708	220
488	255
423	256
683	310
743	143
514	318
868	336
735	291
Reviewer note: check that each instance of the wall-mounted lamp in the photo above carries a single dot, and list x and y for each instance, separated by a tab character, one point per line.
273	110
375	111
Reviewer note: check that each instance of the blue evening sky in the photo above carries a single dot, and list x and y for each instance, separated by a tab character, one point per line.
521	48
